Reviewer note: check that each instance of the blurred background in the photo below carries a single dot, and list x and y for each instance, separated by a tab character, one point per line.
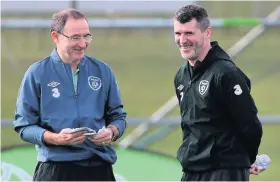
136	39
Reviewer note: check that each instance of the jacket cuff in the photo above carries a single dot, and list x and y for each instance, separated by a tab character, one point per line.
33	134
120	125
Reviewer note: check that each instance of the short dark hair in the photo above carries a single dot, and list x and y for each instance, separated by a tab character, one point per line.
188	12
59	19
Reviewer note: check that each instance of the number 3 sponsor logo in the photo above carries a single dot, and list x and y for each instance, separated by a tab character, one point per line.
237	90
56	93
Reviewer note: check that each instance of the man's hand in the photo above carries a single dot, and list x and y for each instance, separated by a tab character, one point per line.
255	170
64	137
104	137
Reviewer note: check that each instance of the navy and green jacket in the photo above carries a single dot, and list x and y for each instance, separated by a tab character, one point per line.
220	125
47	100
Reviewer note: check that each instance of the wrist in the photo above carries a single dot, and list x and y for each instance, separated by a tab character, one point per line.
50	138
115	132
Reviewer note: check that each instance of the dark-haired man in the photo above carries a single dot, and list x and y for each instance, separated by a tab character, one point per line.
221	130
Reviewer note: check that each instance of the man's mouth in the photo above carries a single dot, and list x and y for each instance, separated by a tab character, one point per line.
79	50
186	46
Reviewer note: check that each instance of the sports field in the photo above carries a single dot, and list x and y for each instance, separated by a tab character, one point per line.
145	61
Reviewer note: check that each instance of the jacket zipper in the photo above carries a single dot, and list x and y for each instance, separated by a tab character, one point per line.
76	93
77	96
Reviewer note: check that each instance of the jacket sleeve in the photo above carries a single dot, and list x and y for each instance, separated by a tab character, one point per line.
27	110
115	115
242	110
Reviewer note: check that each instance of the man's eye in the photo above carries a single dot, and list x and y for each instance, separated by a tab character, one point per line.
75	38
87	36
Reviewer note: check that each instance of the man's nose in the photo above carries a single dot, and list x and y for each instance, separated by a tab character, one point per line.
83	44
183	39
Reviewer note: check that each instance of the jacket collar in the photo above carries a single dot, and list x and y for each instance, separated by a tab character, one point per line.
55	57
215	53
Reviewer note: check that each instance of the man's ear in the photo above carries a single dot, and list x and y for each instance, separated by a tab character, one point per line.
208	32
54	36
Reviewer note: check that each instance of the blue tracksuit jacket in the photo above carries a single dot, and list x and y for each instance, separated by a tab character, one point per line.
47	101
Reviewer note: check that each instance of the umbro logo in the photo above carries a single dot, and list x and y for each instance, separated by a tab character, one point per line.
180	87
53	84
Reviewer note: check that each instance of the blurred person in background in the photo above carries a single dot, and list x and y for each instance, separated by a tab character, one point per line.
221	130
69	90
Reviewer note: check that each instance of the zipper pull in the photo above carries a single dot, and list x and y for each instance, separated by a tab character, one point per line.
189	84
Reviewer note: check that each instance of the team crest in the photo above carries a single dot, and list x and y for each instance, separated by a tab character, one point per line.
94	82
203	86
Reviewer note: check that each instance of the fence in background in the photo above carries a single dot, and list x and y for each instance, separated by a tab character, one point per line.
265	119
140	23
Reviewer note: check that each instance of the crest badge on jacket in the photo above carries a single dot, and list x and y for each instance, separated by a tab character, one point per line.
94	82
